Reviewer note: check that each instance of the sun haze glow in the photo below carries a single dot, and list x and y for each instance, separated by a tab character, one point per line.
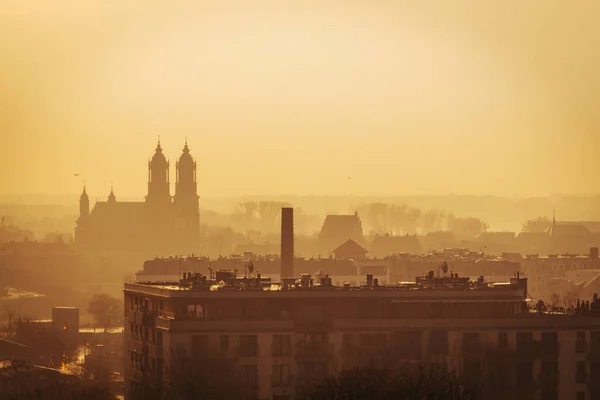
426	97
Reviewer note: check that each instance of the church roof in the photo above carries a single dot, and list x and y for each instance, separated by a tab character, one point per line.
350	247
338	228
592	226
118	213
568	230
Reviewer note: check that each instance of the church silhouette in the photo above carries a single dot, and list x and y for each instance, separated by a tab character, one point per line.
162	224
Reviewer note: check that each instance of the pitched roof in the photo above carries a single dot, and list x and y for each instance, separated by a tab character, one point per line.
592	226
350	247
568	230
339	228
118	213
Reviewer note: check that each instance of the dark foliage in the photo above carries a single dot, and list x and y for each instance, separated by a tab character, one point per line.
420	382
208	377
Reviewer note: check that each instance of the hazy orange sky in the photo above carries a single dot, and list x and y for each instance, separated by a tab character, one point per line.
294	97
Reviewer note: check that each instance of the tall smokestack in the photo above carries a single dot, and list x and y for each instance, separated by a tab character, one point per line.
287	242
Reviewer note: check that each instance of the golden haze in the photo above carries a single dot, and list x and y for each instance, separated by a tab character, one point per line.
405	97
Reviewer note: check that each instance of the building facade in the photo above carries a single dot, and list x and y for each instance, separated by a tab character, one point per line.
283	338
161	223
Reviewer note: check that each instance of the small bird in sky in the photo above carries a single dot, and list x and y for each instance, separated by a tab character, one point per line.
76	174
349	177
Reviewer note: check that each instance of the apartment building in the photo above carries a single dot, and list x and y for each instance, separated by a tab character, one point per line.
285	335
543	273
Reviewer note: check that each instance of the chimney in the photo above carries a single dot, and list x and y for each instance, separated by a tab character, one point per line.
287	242
593	252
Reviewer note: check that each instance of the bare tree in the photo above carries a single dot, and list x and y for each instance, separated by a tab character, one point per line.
9	322
107	310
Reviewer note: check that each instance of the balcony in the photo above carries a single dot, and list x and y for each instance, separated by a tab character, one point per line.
135	345
166	314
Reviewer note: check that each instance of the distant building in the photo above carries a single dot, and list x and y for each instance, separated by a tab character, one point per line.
161	223
570	237
549	275
385	245
337	229
350	250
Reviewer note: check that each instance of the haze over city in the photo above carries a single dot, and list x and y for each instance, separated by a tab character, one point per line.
235	199
405	98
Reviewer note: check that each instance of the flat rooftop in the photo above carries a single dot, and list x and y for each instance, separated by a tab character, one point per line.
447	287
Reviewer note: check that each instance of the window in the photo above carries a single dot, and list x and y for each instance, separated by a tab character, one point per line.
438	342
595	343
524	375
281	375
224	343
580	373
248	346
549	343
524	344
195	311
249	375
282	345
471	344
502	340
159	337
407	345
199	345
580	343
549	373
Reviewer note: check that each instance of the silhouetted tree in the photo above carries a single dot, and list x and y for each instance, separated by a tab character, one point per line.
432	221
208	377
9	322
540	224
469	227
422	382
107	310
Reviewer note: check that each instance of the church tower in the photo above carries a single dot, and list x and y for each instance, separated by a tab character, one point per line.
82	221
186	201
84	204
159	205
158	179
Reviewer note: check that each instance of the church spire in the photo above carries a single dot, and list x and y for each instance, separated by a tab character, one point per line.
111	196
84	194
84	204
